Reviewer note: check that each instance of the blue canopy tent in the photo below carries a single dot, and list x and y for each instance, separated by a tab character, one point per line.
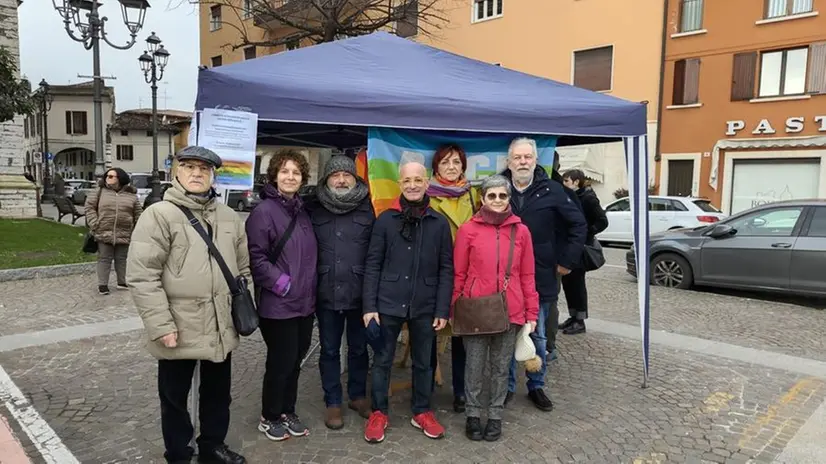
328	95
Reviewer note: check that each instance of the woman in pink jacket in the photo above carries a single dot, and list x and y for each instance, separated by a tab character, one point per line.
480	256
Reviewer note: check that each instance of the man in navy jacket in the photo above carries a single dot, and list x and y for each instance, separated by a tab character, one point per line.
558	230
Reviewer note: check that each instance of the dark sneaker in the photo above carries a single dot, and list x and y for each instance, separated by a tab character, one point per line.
294	425
375	427
552	355
508	397
577	327
540	400
332	418
493	430
459	403
274	430
361	406
473	428
221	455
568	322
103	289
123	287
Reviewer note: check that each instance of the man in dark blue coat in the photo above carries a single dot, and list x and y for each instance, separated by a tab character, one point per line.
558	231
408	279
343	219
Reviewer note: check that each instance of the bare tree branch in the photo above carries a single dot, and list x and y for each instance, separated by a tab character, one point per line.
279	22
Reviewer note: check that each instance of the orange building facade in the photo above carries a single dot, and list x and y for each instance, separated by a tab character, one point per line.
744	101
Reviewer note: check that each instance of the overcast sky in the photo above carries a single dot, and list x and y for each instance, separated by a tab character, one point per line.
46	51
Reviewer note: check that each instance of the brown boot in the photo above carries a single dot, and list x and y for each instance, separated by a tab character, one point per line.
361	406
332	419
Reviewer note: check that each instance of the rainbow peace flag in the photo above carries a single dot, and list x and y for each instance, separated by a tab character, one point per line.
486	153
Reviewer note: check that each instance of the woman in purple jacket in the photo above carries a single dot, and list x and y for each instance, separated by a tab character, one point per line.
287	285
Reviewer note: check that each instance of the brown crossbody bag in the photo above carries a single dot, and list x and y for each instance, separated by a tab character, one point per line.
486	315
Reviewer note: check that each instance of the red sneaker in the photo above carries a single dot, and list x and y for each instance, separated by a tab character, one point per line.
374	429
427	422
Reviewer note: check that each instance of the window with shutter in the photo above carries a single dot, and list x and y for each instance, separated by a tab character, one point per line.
217	61
249	53
215	18
743	76
593	68
686	82
783	72
691	15
486	9
409	26
69	122
780	8
817	68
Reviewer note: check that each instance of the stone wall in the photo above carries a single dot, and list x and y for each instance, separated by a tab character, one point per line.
18	196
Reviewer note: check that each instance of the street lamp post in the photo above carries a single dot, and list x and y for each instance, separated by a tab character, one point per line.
45	99
153	61
89	29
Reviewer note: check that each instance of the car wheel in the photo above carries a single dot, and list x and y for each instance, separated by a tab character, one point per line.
240	207
671	270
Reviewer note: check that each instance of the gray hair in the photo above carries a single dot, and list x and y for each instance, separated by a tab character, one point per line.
526	141
495	181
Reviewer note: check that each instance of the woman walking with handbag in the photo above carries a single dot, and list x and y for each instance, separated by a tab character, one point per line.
494	294
576	293
111	214
283	253
452	196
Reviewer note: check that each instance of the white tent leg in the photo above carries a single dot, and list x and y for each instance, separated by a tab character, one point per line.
193	403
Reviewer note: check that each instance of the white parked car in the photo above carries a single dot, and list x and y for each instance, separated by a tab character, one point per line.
664	213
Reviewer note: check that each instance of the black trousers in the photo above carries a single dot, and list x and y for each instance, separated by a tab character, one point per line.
288	341
174	383
576	294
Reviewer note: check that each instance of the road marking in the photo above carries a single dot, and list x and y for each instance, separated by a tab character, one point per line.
43	437
10	448
716	401
772	423
67	334
614	265
703	346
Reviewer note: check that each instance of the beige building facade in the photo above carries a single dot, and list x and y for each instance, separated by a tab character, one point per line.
602	45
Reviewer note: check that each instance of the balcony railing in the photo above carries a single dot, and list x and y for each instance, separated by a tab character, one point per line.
691	15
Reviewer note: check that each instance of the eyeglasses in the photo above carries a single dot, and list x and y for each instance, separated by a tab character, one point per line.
492	196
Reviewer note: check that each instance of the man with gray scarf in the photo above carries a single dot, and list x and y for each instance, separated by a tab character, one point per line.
343	222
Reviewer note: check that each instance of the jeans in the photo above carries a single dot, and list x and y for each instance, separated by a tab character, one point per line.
495	351
331	326
421	343
288	341
174	383
576	294
106	254
457	364
536	380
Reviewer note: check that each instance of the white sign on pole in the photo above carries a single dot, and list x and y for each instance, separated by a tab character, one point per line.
232	135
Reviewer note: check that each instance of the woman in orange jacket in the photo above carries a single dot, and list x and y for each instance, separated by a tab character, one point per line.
480	256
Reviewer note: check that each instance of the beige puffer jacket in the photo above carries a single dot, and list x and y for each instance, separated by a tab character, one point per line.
176	285
112	220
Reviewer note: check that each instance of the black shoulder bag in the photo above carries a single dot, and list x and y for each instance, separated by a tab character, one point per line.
275	253
244	314
90	245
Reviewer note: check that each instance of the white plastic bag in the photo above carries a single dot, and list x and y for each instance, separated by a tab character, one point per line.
525	349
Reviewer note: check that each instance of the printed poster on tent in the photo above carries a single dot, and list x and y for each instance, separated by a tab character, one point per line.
232	135
486	155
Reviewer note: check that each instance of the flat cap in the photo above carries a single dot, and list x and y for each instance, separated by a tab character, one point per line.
194	152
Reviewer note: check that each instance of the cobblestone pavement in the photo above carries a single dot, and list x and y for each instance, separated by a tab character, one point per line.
99	396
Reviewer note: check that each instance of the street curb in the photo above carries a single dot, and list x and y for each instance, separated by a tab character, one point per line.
45	272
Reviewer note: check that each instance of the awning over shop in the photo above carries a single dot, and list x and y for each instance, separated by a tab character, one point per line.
590	159
811	141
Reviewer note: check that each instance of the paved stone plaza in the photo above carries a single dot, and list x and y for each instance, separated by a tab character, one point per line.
733	379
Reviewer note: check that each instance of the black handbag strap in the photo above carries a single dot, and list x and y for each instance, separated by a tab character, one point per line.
213	250
279	247
510	258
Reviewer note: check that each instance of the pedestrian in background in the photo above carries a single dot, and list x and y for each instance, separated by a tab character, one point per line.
184	301
484	246
343	219
111	214
286	280
452	196
576	293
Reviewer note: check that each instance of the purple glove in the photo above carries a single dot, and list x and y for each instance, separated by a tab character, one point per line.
282	285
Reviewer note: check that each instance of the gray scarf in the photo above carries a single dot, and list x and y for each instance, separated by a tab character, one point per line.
342	204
